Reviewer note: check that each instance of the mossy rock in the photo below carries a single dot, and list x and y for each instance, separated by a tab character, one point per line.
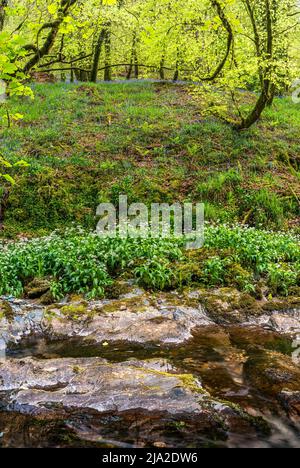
47	298
37	288
75	298
285	304
295	292
275	305
117	289
219	303
178	299
229	304
6	310
260	290
133	304
75	311
271	372
294	301
249	304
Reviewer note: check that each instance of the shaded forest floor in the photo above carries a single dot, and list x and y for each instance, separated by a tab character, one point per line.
89	143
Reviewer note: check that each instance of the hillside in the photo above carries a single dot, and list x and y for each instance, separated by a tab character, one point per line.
89	143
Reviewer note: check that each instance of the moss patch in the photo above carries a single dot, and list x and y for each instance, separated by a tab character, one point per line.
6	310
134	304
75	311
37	288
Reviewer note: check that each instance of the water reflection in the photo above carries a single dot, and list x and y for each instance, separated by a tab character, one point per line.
217	356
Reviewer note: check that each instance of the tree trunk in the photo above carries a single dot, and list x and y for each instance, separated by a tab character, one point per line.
129	72
3	205
268	88
77	74
107	70
161	69
176	74
83	76
265	99
135	57
136	66
50	39
3	4
97	55
133	60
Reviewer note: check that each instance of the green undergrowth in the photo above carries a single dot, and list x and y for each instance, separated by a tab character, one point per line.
88	144
84	263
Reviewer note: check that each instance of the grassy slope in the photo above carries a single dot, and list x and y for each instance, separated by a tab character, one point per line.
87	144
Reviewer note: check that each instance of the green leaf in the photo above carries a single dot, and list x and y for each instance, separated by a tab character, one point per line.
9	179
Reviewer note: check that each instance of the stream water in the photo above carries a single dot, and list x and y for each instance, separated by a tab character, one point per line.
217	357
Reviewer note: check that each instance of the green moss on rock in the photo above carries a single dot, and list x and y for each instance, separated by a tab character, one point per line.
37	288
6	310
75	311
133	304
117	289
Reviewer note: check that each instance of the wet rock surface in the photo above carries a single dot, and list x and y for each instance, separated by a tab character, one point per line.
129	429
36	387
134	319
61	387
93	383
142	317
146	369
273	374
162	324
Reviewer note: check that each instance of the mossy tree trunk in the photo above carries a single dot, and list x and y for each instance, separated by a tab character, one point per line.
133	60
3	5
4	195
107	46
176	74
265	49
53	27
162	68
97	55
